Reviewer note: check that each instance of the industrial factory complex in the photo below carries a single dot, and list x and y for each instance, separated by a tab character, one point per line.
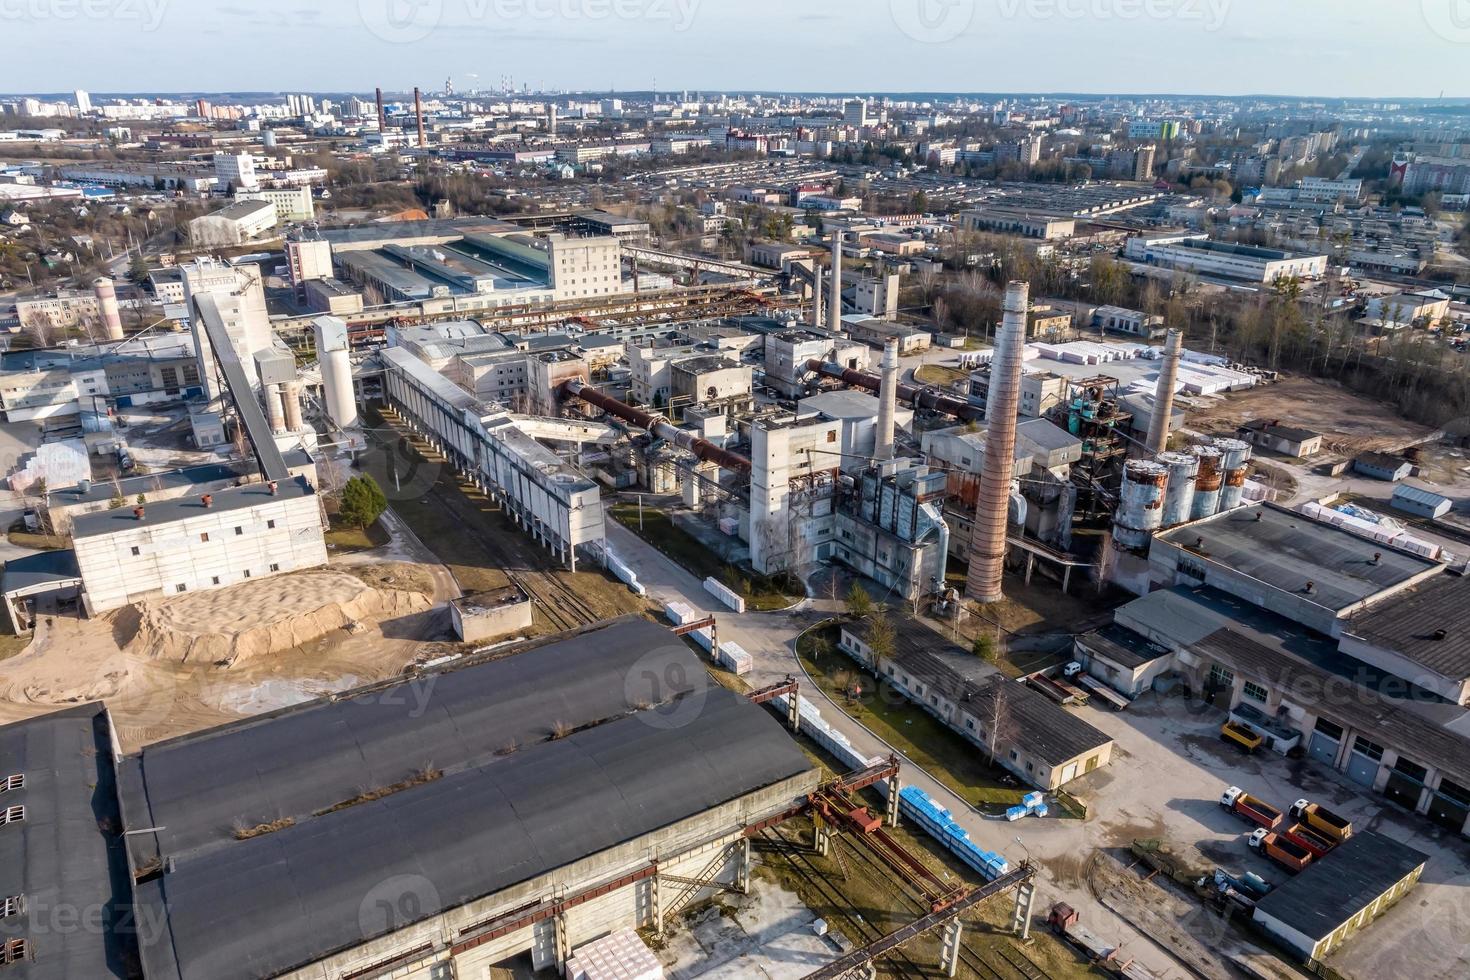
798	562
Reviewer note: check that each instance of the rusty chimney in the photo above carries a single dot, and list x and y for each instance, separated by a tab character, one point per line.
418	111
207	500
138	512
272	487
1158	422
382	117
992	510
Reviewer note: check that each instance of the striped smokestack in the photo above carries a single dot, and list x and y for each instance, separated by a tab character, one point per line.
1158	422
834	295
992	510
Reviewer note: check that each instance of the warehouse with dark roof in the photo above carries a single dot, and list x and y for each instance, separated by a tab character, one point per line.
1320	909
1026	732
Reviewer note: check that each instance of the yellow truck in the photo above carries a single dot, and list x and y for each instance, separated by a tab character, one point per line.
1243	736
1322	820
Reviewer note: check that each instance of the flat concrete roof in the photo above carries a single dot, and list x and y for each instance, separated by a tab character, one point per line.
160	512
1286	550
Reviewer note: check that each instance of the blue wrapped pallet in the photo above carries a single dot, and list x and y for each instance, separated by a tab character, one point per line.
940	824
1041	810
1016	812
1033	800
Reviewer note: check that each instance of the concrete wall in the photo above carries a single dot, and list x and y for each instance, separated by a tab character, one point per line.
705	845
283	535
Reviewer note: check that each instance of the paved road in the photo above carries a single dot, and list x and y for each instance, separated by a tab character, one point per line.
770	640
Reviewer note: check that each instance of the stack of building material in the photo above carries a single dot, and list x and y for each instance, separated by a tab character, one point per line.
619	956
1384	531
725	594
1032	804
734	658
939	824
730	526
681	613
829	738
623	573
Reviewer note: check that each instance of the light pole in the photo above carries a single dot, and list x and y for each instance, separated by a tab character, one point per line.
1024	848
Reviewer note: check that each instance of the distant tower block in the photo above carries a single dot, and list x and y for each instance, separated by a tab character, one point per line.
1158	423
988	542
107	308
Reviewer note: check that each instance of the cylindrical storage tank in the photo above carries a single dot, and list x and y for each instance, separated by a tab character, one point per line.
1141	506
1235	453
294	421
1207	483
1179	498
107	309
275	408
337	388
268	139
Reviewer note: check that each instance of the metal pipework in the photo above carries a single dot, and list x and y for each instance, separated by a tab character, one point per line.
1158	423
988	542
703	449
929	398
887	401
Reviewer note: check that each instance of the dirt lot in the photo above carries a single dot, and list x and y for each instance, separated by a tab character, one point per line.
151	698
1349	422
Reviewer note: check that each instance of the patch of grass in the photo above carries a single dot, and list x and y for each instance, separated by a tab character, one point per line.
761	594
347	538
946	755
10	645
938	374
36	542
261	829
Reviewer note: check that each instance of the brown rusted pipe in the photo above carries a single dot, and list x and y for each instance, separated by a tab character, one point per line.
919	397
703	449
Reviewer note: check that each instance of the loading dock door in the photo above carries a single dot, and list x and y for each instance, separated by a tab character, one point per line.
1364	761
1449	806
1069	773
1325	742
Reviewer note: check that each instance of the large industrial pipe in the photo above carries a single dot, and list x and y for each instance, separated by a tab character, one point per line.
988	542
834	297
930	398
1158	423
418	111
658	425
887	401
382	117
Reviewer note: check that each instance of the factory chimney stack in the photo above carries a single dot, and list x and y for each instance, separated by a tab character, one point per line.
887	400
418	111
1158	422
382	117
834	295
992	510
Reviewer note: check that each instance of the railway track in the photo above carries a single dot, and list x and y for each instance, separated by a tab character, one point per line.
559	603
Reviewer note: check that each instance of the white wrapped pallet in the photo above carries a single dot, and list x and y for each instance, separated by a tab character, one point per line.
725	594
681	613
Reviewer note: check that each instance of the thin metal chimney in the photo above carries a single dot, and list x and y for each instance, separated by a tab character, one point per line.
1158	423
834	296
887	400
382	116
992	510
418	111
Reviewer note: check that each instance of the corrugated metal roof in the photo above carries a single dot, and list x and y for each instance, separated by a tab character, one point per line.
1420	495
1410	623
1336	888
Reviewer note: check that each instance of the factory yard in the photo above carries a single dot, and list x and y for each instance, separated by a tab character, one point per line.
1350	423
1164	784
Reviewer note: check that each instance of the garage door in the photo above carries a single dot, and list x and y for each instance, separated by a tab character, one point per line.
1324	749
1069	772
1364	761
1449	806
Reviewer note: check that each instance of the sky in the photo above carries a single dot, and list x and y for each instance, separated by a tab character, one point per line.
1325	48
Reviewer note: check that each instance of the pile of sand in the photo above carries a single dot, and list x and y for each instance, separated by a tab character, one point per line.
265	616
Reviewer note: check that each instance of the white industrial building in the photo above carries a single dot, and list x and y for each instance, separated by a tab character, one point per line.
183	545
236	170
1196	253
233	224
292	203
